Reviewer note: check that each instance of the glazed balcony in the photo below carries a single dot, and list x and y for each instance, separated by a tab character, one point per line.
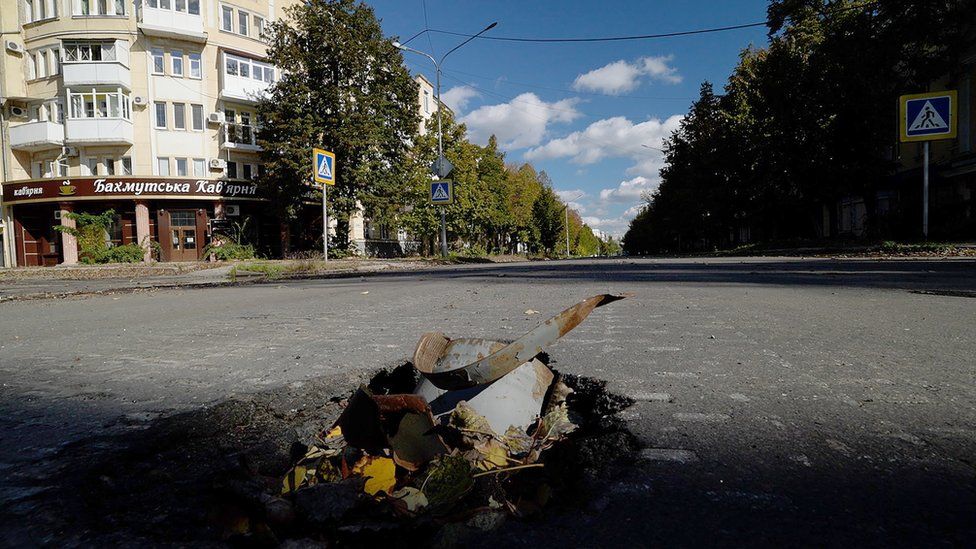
36	136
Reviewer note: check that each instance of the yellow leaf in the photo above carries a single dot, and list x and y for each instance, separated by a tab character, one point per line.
334	432
294	479
493	455
380	473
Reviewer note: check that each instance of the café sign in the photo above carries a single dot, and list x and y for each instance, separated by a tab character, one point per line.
44	190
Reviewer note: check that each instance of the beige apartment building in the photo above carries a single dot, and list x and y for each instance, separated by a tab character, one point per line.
146	107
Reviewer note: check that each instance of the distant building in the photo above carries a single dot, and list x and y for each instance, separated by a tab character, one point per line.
144	107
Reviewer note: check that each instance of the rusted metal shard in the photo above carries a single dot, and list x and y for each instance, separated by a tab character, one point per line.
465	362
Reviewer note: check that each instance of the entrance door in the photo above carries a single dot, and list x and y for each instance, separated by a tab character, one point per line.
183	235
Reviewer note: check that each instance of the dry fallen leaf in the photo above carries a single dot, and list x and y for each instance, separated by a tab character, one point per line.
379	472
531	312
411	497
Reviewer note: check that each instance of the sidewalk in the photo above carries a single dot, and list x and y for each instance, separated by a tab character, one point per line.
54	282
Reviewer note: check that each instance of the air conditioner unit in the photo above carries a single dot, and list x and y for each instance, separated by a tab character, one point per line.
15	47
139	100
57	214
70	151
217	164
17	112
216	117
232	210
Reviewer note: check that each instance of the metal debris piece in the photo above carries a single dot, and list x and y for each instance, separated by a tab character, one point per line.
465	362
515	399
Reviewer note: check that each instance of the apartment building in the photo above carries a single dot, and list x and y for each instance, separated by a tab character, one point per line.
145	107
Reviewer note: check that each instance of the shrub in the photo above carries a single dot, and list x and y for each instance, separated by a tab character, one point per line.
229	251
128	253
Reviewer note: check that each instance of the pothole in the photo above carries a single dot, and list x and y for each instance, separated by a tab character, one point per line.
216	475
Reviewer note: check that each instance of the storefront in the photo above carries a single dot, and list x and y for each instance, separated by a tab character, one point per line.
178	213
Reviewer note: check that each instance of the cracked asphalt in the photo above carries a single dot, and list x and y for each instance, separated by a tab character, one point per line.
779	400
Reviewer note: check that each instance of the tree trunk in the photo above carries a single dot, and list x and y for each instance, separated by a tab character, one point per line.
285	235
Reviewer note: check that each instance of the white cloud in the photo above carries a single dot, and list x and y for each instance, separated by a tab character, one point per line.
520	123
615	226
623	76
629	191
458	97
613	138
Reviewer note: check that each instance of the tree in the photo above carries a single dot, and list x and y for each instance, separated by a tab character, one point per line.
349	93
547	216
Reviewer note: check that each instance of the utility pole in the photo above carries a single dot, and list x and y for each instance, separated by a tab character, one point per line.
440	133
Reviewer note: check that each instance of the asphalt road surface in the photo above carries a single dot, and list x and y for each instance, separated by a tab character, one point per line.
779	401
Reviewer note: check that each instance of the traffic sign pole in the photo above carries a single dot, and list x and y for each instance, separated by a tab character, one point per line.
325	222
443	233
925	191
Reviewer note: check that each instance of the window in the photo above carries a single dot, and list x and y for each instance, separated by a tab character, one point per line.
94	104
126	165
176	56
91	164
41	64
248	68
55	61
227	18
98	7
426	101
162	166
245	70
231	170
181	167
164	4
157	61
29	11
152	3
231	66
243	18
77	52
31	67
258	26
160	115
248	171
180	5
109	164
196	117
179	116
195	65
194	7
199	167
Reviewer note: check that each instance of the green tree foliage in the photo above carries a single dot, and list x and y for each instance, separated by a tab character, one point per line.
804	121
548	216
343	87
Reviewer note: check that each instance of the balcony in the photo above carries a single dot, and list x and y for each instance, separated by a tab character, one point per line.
240	137
168	23
245	80
36	136
98	131
96	73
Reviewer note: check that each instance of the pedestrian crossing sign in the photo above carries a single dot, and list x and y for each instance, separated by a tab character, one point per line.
927	116
323	164
441	192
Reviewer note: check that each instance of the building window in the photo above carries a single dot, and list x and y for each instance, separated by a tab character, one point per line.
243	18
180	5
196	117
99	7
28	11
126	165
181	166
109	164
157	61
160	115
55	61
176	56
248	171
99	104
195	65
91	165
162	166
231	170
426	101
248	68
227	18
231	66
258	26
194	8
179	116
199	167
81	52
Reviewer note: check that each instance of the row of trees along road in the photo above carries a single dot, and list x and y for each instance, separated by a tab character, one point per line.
344	87
803	122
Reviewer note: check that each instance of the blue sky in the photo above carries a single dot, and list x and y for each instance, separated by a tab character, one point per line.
580	111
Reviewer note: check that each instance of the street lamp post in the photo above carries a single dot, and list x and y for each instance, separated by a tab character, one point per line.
440	135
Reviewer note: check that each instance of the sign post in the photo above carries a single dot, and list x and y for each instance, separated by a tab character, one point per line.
927	117
323	166
442	194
